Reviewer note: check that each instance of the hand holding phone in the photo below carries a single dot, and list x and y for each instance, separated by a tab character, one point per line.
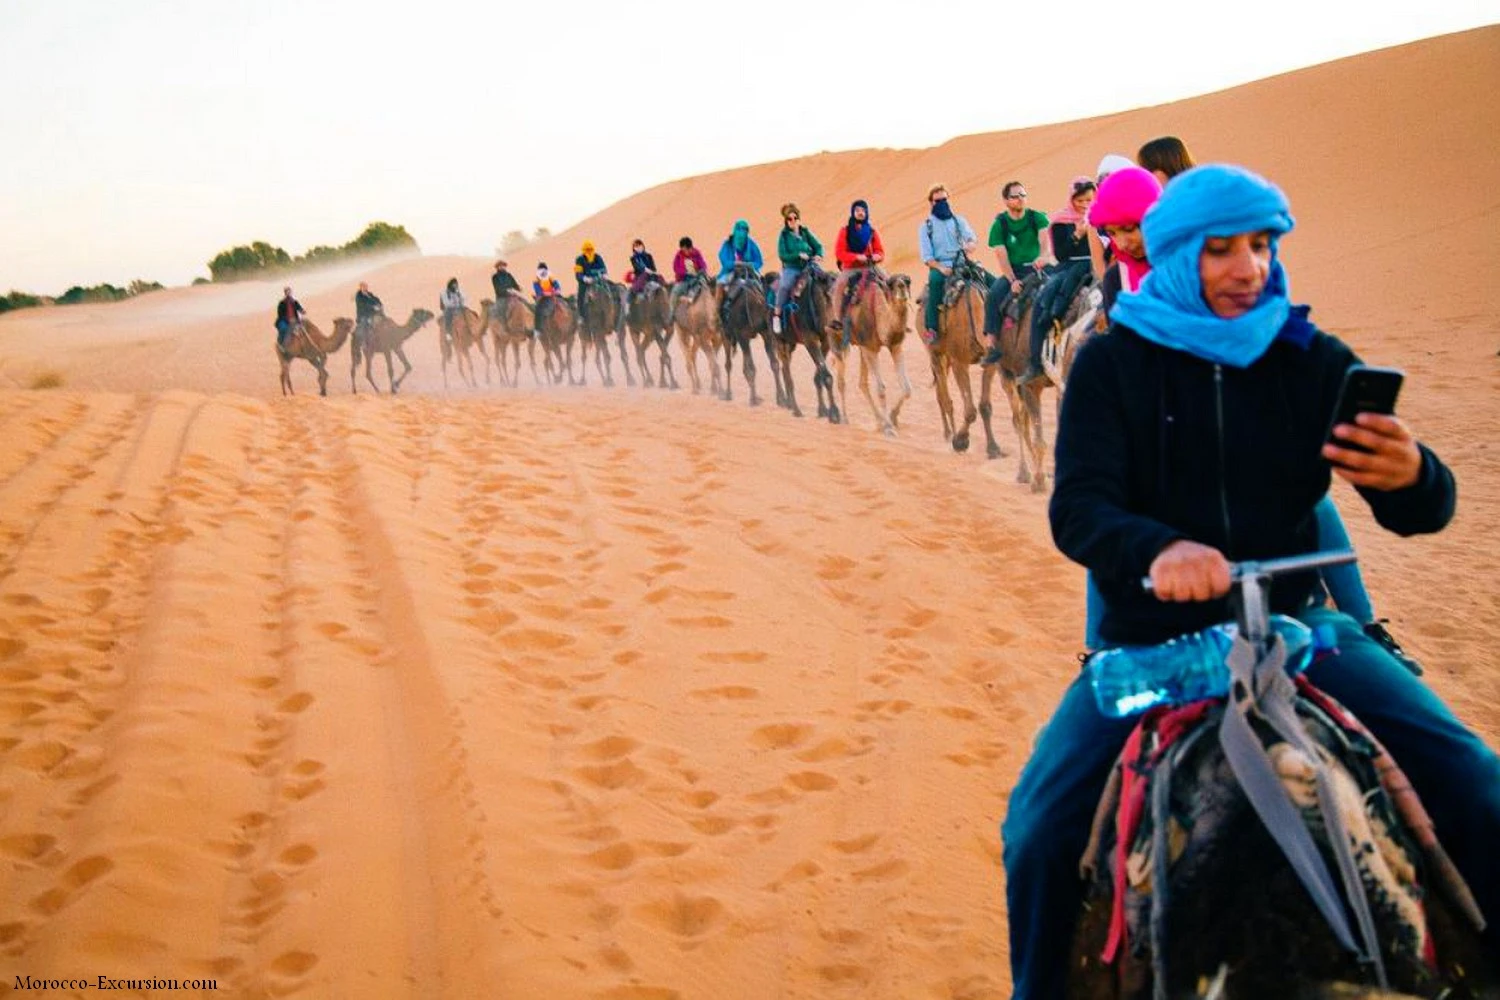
1366	389
1376	450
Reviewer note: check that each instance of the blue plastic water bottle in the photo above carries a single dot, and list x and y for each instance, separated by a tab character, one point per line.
1128	680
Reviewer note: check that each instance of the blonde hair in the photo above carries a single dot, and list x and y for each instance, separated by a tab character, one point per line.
935	189
790	208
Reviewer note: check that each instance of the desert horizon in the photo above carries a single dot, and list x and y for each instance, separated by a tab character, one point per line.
621	693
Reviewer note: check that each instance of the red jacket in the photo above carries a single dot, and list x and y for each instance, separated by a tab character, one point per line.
847	259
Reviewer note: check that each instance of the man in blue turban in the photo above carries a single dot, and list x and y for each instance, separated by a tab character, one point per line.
1193	435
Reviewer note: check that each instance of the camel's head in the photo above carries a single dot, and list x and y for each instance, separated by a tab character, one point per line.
343	326
420	316
900	286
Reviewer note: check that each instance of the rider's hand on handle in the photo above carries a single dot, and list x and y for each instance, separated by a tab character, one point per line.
1394	462
1189	571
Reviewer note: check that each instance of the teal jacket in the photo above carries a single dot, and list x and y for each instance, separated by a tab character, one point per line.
791	245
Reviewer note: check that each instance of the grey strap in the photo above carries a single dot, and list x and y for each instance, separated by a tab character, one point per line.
1252	768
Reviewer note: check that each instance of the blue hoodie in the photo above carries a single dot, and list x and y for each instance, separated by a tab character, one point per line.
750	253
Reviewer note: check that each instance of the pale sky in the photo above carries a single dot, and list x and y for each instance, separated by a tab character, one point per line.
138	138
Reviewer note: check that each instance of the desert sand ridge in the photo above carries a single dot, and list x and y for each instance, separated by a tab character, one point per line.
630	695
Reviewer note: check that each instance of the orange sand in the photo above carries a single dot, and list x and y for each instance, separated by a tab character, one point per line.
629	695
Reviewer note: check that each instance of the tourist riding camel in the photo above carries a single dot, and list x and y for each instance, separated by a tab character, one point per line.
1211	358
857	249
1022	246
1068	237
451	303
642	267
739	248
941	239
797	249
367	306
503	282
689	271
289	313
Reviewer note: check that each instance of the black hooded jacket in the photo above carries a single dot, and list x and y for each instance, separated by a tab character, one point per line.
1156	444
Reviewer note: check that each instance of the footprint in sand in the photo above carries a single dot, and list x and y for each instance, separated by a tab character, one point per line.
812	781
729	692
79	875
856	845
780	736
685	916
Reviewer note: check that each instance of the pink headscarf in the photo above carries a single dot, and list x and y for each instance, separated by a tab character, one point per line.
1068	213
1123	200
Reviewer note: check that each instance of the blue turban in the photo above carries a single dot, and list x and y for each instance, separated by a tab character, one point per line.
1212	200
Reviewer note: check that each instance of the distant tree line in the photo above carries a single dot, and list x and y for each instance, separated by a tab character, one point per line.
260	259
77	294
516	240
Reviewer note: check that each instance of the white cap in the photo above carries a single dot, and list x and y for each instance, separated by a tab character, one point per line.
1113	162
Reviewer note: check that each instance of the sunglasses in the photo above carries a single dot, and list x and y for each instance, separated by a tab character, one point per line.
1015	196
793	218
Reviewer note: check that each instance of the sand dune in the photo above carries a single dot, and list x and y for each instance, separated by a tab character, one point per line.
617	694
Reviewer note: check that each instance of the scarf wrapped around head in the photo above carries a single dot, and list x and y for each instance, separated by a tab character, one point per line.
942	209
1068	213
857	235
1212	200
741	235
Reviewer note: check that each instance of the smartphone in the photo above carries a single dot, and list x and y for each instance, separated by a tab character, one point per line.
1366	389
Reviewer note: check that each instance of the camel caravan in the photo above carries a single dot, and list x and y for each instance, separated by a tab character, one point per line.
1023	323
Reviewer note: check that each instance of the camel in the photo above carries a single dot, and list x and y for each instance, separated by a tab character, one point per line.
649	319
695	318
1210	894
744	314
557	329
877	318
960	325
308	343
1058	351
511	322
599	314
804	322
385	337
467	332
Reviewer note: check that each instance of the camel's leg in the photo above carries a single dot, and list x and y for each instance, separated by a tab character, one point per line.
898	352
1018	420
624	356
770	340
322	377
1031	396
749	371
405	369
484	353
728	367
605	363
354	366
992	447
839	362
286	375
713	368
782	369
370	361
823	383
971	412
869	359
638	342
668	369
940	387
690	361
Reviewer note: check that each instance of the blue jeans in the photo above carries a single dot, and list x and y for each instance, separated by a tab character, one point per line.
1052	806
784	285
1345	583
